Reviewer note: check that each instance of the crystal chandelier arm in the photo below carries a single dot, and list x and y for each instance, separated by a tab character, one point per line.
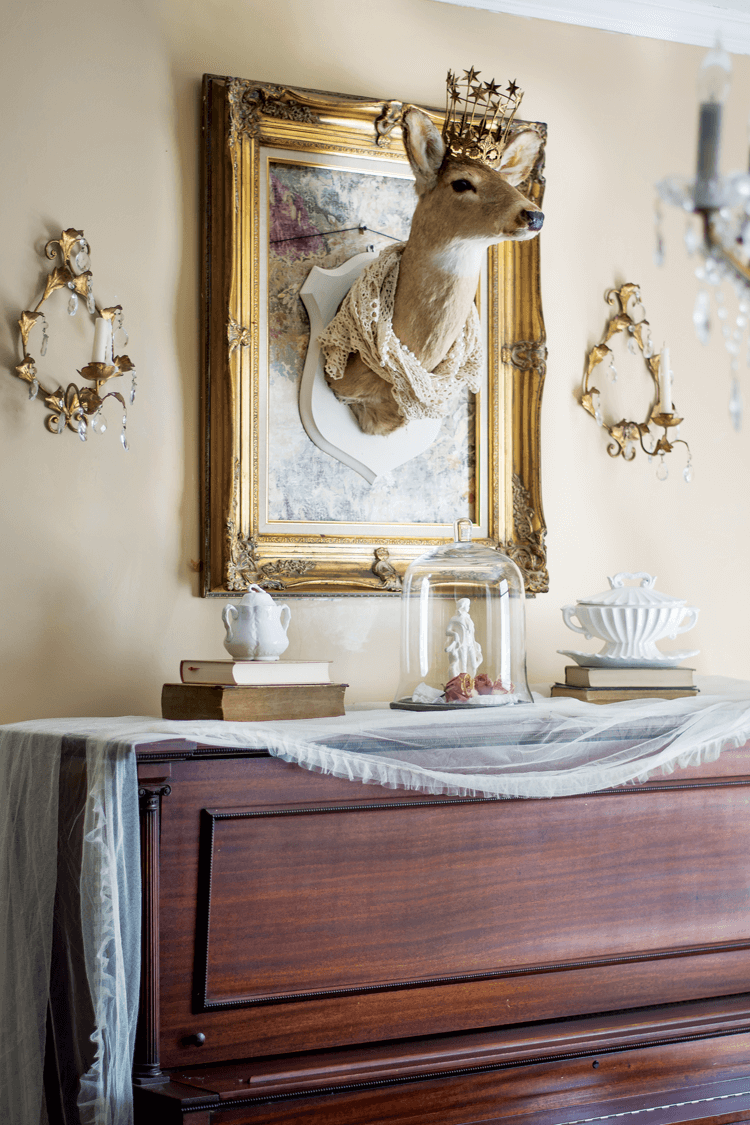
715	246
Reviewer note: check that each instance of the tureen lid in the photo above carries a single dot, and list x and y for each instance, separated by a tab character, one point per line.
643	595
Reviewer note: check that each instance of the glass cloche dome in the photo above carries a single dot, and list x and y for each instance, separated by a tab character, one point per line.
463	635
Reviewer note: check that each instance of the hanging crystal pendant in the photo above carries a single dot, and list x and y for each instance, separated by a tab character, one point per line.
33	388
82	260
612	368
123	437
73	304
662	472
659	246
60	424
98	425
81	429
132	388
735	405
687	472
90	303
659	249
691	238
701	319
45	337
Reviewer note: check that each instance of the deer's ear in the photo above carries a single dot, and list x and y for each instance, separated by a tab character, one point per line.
424	147
519	157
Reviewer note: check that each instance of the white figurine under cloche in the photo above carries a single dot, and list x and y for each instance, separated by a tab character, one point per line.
257	627
462	628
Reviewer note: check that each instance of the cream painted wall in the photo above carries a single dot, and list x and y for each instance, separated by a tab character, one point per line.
99	130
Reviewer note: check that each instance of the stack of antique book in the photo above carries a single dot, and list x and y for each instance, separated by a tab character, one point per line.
613	685
253	691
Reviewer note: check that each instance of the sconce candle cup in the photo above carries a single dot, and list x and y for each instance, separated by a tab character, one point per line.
631	619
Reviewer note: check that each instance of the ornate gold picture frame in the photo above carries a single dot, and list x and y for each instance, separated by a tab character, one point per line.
295	178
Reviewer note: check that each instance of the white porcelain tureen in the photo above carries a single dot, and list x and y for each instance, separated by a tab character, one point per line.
631	619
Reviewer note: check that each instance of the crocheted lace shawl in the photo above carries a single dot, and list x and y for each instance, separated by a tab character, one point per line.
364	324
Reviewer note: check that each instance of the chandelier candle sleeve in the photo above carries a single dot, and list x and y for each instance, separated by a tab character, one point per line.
102	336
713	87
709	134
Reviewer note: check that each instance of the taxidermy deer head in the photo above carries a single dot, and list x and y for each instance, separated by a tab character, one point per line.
424	347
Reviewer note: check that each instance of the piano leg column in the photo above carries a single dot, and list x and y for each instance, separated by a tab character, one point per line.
146	1061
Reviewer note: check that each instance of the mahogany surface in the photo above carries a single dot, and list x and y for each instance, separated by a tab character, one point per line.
366	954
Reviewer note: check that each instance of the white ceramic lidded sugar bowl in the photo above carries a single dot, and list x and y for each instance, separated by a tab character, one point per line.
631	619
257	627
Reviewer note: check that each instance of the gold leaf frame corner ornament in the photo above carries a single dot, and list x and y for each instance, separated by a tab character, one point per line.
240	116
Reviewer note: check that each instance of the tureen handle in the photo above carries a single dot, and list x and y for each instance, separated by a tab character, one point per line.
691	613
647	580
569	611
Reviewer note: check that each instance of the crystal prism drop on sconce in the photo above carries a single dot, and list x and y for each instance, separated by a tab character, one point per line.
722	204
78	408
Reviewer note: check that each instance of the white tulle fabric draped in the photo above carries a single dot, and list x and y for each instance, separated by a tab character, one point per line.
28	862
102	910
110	901
551	748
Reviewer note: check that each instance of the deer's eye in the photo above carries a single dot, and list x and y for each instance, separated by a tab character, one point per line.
462	185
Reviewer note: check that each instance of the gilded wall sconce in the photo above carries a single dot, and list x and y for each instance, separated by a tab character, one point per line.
629	317
78	408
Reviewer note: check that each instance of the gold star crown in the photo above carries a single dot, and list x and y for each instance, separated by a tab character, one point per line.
478	118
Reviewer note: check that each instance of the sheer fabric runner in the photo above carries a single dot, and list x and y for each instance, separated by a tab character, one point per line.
551	748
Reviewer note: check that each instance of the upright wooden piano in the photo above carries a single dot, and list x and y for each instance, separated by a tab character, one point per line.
326	952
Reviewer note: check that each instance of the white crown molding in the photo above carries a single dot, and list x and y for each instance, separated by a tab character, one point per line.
677	21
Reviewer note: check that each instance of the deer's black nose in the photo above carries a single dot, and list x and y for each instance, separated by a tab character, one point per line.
534	219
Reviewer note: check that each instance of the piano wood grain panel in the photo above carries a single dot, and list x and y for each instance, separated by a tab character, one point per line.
395	915
356	896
